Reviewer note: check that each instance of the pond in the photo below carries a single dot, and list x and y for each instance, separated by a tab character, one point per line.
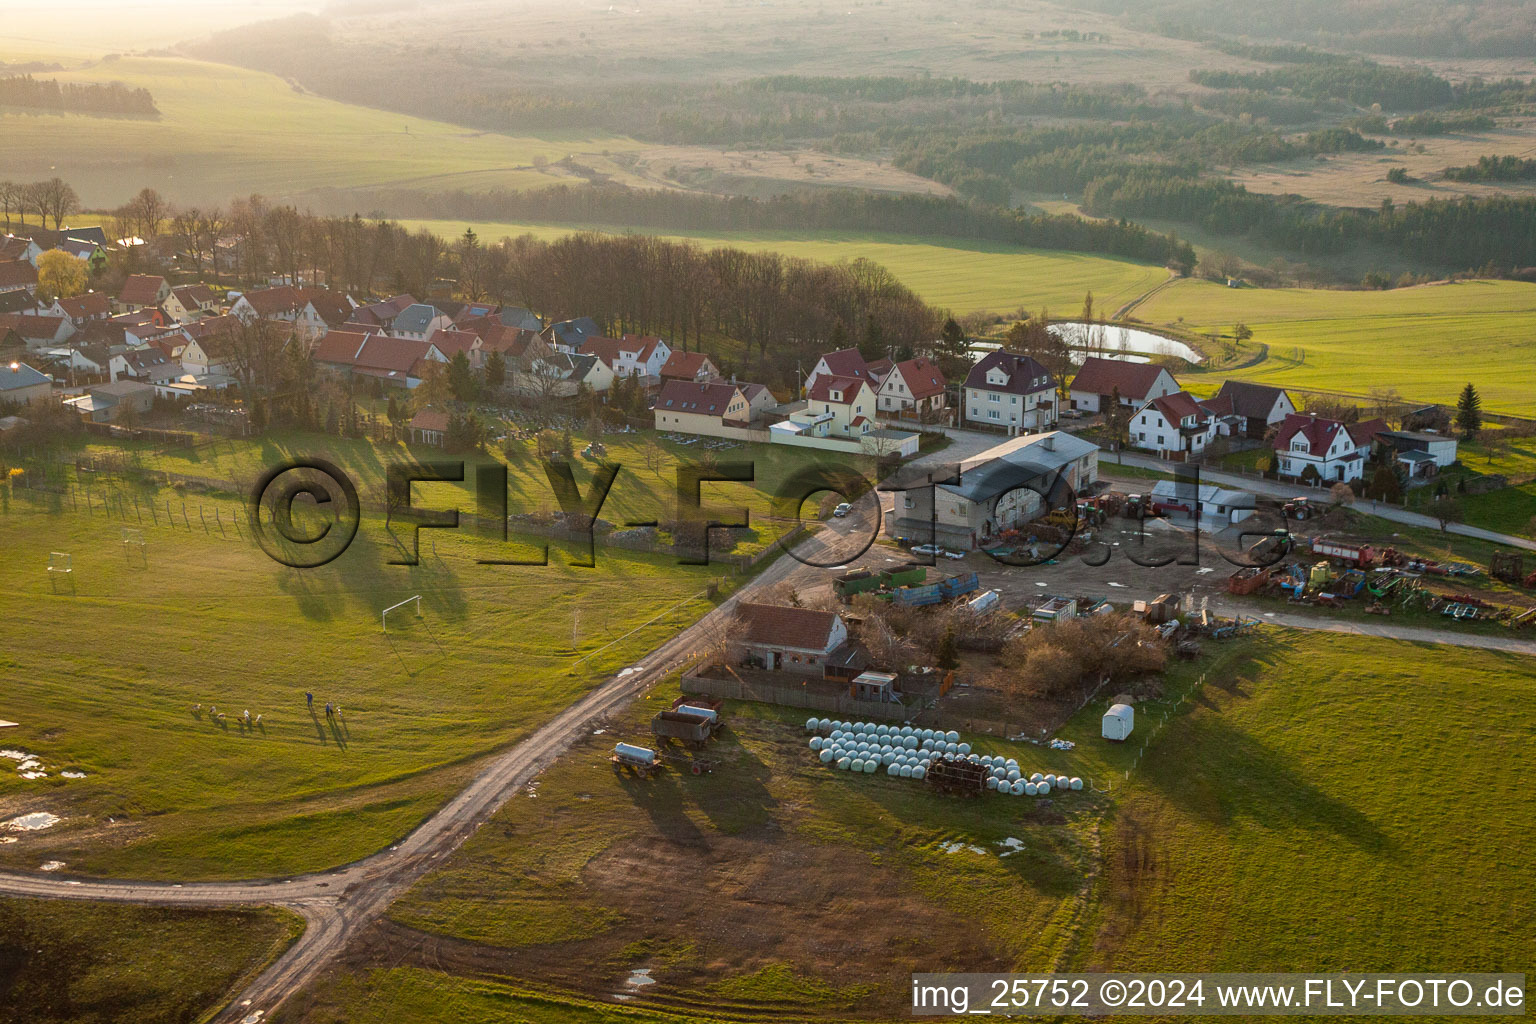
1114	342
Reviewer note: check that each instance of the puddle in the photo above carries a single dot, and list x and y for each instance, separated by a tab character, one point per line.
955	846
53	865
34	822
640	977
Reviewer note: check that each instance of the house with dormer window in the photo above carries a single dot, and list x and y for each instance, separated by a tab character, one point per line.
837	407
1099	379
1010	392
1336	451
703	407
913	387
847	362
1174	426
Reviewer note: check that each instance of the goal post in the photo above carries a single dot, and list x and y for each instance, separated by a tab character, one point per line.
384	615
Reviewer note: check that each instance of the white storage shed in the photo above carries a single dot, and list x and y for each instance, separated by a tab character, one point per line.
1118	722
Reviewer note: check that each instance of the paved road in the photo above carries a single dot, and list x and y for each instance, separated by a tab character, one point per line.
1277	489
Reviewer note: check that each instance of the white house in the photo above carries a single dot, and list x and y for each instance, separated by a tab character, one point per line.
791	639
838	407
630	356
1326	446
1257	406
847	362
913	387
1173	426
1009	392
1098	379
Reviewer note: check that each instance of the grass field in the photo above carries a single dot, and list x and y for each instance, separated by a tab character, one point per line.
1426	342
1311	770
960	275
226	132
1333	804
206	618
83	963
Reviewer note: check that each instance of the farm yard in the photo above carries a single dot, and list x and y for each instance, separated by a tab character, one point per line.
1317	759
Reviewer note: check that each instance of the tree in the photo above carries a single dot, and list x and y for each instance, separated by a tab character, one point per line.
1469	412
1116	419
1242	332
1341	493
10	199
60	275
953	350
1310	475
396	416
872	345
1446	511
1384	485
461	378
58	200
946	657
495	370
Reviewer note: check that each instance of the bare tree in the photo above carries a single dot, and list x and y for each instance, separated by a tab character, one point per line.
57	198
10	199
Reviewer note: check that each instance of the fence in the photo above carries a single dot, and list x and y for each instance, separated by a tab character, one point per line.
793	695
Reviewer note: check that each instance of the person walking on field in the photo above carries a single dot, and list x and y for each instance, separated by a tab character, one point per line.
309	700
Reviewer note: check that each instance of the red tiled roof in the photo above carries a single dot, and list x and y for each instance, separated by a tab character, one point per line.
1364	432
209	326
332	307
922	378
848	386
430	419
450	341
27	325
340	346
779	626
1318	432
1100	376
392	355
846	362
685	365
641	344
1244	398
606	349
91	304
141	290
271	301
194	296
707	398
1178	405
17	274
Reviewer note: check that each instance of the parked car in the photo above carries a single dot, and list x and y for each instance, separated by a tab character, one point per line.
842	510
927	549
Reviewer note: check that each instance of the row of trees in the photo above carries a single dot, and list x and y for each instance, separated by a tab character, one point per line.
76	97
54	199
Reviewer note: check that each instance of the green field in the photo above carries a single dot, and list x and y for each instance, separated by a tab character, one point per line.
1426	342
225	132
86	963
1311	770
963	276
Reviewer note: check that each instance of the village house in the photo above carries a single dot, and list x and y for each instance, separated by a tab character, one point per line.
190	302
837	407
72	360
14	248
20	384
35	331
568	335
419	322
1000	489
915	388
141	291
847	362
18	276
1334	451
452	341
148	365
21	301
1099	378
694	366
705	407
1258	406
799	640
398	362
1009	391
81	309
107	403
429	427
1421	453
379	315
519	346
208	355
631	355
1175	426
